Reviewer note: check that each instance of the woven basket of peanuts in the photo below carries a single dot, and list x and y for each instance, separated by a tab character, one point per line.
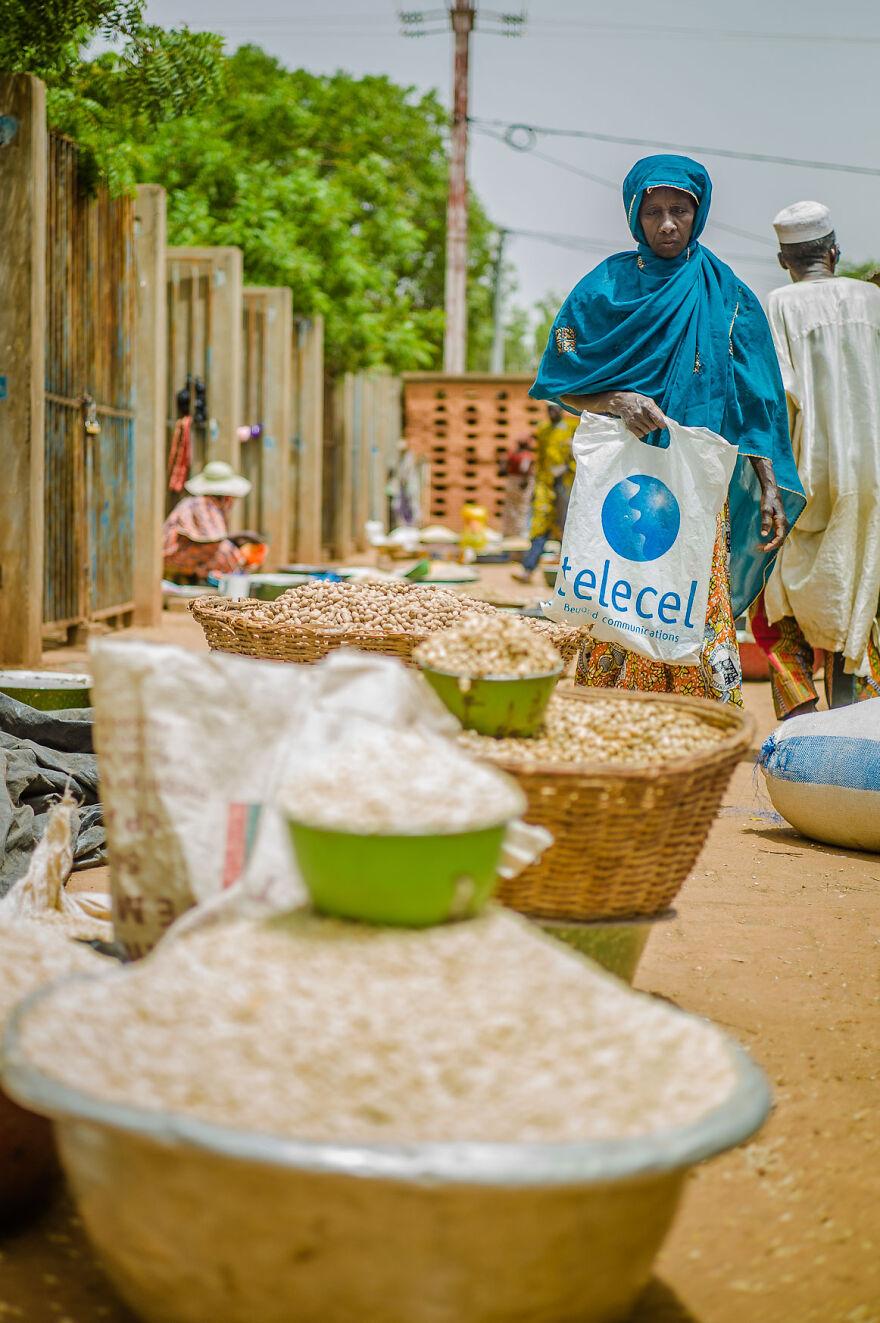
391	617
628	784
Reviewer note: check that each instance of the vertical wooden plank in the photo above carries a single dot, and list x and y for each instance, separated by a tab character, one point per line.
268	335
23	163
150	358
310	337
365	477
342	423
213	278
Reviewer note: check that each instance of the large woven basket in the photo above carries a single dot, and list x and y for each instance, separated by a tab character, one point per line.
228	627
625	838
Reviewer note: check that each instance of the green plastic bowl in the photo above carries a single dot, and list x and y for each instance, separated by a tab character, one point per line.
615	945
411	881
496	705
47	690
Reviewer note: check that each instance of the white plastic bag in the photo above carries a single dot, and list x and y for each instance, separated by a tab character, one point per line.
194	748
637	545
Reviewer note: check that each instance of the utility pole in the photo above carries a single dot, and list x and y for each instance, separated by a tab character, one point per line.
496	363
462	16
455	337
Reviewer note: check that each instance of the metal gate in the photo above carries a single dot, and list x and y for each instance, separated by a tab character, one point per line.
89	448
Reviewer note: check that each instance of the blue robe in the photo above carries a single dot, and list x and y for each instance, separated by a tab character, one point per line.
688	333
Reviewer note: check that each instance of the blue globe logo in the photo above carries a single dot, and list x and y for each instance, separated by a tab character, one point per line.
640	518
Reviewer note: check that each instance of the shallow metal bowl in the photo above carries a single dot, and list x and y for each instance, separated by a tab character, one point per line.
197	1221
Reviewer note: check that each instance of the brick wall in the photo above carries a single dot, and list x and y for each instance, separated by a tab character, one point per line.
463	425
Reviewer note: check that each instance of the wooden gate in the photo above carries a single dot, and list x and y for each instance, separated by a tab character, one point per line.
204	350
89	433
265	458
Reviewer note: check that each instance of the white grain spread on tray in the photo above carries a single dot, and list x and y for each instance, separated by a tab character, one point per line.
321	1030
401	781
598	731
500	646
36	952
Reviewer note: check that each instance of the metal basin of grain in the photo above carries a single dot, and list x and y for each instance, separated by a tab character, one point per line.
197	1221
50	691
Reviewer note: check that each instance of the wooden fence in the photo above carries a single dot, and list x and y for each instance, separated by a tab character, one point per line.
463	426
307	460
88	562
265	458
363	438
204	292
70	440
101	327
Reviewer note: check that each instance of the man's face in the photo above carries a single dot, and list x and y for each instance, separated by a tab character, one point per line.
667	217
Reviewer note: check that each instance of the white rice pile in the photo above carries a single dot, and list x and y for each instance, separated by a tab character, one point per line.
321	1030
401	781
36	952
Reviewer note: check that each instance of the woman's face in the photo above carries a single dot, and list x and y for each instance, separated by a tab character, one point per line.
667	218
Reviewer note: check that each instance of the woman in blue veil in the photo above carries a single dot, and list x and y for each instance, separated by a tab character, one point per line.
669	330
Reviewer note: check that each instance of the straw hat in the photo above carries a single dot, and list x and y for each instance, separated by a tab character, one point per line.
218	478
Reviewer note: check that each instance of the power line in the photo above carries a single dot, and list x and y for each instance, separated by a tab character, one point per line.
548	27
532	131
630	30
608	183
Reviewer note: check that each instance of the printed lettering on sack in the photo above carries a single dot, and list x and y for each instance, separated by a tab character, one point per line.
641	521
637	545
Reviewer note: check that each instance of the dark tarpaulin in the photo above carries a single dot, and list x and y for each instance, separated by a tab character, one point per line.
40	754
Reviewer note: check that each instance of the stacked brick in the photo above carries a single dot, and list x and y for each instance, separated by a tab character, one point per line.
463	426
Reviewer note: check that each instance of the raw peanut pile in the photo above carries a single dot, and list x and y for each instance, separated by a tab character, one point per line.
500	646
374	608
401	781
315	1029
602	732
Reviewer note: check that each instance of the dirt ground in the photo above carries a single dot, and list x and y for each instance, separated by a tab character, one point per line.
778	940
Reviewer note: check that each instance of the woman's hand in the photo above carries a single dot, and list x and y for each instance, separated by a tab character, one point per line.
639	413
773	516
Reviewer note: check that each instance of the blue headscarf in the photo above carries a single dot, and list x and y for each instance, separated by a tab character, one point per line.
686	332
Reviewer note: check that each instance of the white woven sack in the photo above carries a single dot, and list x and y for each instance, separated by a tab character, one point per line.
823	774
637	544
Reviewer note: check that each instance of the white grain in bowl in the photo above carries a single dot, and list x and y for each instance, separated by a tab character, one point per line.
391	781
322	1030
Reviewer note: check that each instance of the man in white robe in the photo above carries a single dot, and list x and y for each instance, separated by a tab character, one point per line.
824	589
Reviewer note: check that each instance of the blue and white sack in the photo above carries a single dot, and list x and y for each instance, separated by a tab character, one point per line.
823	774
637	545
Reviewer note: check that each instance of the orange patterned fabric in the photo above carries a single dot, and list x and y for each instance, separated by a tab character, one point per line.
719	674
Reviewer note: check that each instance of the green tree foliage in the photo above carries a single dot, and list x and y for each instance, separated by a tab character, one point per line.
335	186
859	271
153	72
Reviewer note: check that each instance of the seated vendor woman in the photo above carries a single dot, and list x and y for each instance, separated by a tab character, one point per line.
669	331
195	538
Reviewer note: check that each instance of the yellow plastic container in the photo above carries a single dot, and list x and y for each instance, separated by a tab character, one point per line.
474	519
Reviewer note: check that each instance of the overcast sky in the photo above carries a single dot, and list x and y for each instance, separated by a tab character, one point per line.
738	77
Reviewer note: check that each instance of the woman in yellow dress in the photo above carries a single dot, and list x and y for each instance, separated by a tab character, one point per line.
554	475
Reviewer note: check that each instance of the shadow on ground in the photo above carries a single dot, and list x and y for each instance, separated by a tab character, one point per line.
660	1304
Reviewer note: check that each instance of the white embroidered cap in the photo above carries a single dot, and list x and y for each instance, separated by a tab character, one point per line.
802	221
